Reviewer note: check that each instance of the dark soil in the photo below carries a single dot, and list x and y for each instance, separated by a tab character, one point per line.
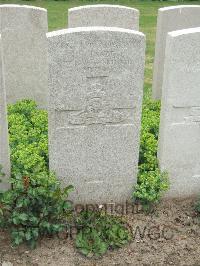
168	236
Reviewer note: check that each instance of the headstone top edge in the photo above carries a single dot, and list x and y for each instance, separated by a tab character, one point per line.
23	6
177	7
94	29
102	5
178	33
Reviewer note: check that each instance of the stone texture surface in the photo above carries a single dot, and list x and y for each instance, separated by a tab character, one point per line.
23	30
179	140
104	15
4	146
170	19
96	85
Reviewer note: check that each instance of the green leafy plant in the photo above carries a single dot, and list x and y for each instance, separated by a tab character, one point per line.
28	133
99	232
36	206
152	183
89	243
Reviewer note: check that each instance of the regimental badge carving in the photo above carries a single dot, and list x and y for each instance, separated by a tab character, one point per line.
97	110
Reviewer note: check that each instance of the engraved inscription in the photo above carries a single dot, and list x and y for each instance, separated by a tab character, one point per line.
194	115
104	62
187	114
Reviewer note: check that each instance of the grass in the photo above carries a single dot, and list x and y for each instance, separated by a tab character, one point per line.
57	19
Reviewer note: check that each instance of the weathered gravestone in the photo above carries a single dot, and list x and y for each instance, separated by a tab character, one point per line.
4	146
179	140
170	19
23	30
96	84
104	15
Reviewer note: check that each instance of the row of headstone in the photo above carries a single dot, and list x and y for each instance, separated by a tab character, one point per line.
179	117
95	83
95	94
24	29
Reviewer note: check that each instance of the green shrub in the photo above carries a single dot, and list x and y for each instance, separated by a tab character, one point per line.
28	133
36	206
99	232
151	182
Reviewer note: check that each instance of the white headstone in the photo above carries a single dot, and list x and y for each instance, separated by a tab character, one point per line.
23	30
179	140
4	146
170	19
104	15
96	87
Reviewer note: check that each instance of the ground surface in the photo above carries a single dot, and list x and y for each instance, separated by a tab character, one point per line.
172	237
